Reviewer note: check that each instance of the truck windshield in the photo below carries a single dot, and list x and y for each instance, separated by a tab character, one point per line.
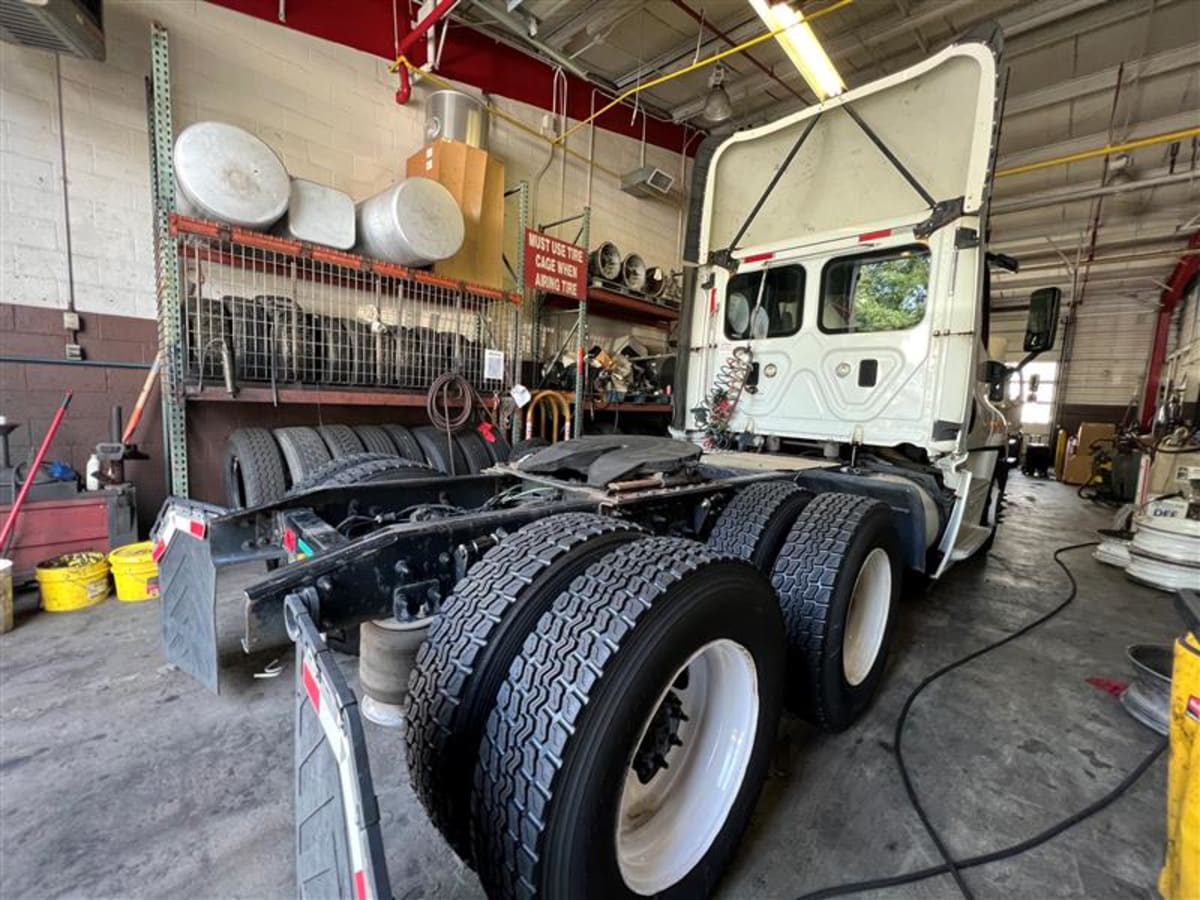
882	291
764	304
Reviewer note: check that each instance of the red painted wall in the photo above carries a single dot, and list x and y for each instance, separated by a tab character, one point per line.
468	57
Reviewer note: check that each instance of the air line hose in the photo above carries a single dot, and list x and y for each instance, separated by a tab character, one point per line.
950	865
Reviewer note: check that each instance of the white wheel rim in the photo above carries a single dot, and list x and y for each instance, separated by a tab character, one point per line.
665	826
867	617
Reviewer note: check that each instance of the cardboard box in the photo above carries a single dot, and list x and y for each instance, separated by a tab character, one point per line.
1090	432
1077	469
1077	466
476	181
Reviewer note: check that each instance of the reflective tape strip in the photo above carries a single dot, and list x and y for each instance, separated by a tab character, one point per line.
311	687
874	235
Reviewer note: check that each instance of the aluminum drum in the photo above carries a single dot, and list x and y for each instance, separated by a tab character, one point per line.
225	173
319	215
414	223
455	116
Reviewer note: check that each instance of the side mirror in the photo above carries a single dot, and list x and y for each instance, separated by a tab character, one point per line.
1041	327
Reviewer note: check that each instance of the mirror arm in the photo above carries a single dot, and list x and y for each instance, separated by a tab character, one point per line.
1029	357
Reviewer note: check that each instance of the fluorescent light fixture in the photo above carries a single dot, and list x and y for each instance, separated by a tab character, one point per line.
800	44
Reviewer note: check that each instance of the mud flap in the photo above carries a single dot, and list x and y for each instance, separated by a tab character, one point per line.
187	579
339	845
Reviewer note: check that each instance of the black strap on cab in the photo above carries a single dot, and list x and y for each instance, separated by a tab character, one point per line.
724	258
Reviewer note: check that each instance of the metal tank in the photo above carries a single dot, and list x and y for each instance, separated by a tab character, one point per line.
225	173
320	214
414	223
455	116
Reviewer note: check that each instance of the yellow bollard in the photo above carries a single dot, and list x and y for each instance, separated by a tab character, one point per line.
1180	878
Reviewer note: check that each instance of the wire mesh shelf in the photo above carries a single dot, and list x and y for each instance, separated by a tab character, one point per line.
281	312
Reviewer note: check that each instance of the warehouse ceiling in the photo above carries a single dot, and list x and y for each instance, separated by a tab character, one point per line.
1083	74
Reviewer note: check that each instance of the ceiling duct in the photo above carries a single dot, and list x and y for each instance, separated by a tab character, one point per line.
74	27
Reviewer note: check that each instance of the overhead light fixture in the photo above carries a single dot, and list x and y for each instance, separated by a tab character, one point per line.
717	105
800	44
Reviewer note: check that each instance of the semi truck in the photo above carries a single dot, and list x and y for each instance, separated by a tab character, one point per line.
590	644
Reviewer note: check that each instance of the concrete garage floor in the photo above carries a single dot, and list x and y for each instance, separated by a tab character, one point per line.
122	778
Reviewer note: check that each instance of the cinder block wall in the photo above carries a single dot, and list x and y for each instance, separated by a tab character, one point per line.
328	110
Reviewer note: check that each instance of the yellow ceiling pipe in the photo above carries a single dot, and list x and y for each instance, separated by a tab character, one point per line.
700	64
1165	138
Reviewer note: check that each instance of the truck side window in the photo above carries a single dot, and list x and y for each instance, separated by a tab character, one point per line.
882	291
764	304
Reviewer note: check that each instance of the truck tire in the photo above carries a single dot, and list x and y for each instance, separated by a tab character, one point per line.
664	653
471	445
340	439
303	451
405	443
375	440
838	580
527	446
757	520
253	468
473	642
994	511
444	456
361	468
498	447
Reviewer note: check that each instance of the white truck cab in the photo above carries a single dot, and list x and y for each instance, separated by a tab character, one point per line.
840	299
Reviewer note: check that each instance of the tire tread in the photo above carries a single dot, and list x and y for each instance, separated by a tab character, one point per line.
341	440
303	450
546	693
804	576
745	520
262	466
448	661
358	468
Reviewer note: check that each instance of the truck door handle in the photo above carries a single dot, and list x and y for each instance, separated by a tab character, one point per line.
752	378
868	372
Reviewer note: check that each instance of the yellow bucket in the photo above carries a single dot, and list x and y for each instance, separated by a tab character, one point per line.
135	572
72	581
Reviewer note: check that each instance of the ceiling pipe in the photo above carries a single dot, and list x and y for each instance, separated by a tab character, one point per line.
520	29
1053	198
1181	278
1101	260
404	91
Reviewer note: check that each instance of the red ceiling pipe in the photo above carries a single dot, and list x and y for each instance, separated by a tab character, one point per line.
468	56
1185	270
404	92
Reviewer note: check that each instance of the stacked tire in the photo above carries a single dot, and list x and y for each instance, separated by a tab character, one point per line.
263	465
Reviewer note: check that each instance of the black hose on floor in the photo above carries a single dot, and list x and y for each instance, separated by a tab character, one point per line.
952	866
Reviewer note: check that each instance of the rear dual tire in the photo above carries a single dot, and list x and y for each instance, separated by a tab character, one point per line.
559	660
558	809
472	644
838	580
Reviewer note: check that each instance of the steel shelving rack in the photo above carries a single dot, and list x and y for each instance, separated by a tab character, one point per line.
252	317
